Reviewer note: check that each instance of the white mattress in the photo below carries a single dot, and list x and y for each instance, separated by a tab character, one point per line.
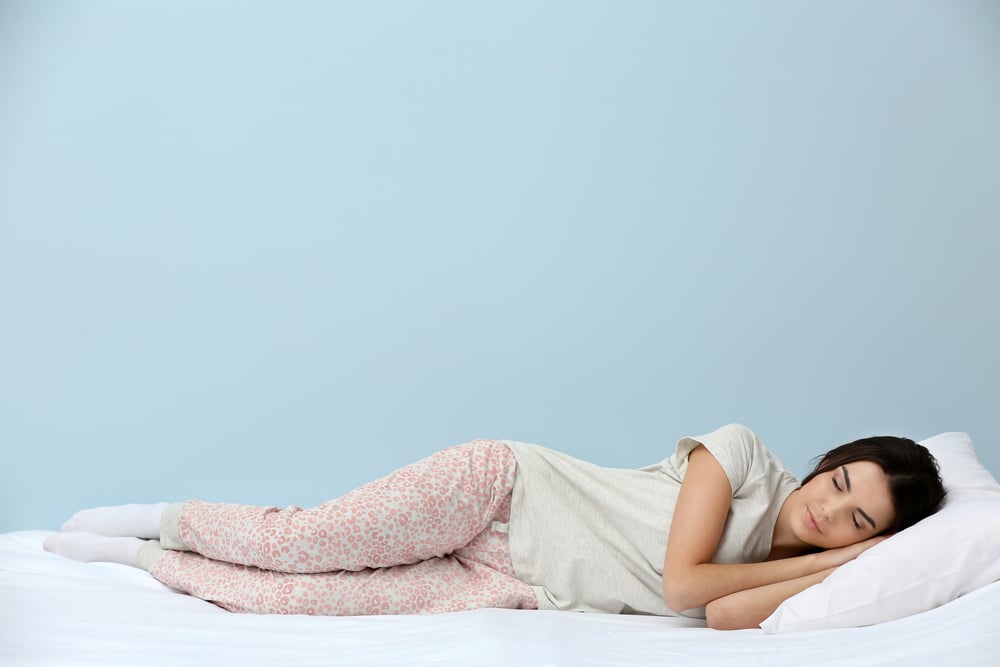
55	611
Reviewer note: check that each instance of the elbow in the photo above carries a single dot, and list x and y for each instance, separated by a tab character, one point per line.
722	614
679	595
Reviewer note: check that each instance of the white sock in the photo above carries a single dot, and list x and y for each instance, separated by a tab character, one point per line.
118	521
89	548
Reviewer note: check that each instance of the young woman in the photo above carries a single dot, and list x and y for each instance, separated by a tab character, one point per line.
721	529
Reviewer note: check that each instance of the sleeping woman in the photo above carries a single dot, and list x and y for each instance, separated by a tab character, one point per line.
720	530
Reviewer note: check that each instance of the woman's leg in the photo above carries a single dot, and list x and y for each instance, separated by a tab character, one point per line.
477	575
432	586
423	511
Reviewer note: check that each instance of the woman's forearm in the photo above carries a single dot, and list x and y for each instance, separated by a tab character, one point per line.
699	584
747	609
689	586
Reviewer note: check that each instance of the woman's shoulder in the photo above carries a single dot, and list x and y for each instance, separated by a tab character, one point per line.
729	438
742	455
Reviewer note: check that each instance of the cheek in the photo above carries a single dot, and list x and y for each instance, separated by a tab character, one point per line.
842	538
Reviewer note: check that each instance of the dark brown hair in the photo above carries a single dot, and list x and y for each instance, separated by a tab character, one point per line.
913	474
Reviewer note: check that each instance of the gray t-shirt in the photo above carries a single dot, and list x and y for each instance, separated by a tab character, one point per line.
589	538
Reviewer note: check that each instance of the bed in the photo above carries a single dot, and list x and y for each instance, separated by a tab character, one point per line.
927	596
60	612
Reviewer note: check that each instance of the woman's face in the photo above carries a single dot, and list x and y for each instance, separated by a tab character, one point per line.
843	506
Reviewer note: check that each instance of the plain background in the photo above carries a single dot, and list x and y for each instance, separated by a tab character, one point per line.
266	251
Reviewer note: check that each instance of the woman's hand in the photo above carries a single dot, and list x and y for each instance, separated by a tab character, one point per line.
840	555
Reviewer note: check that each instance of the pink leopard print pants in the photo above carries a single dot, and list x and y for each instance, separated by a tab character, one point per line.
428	538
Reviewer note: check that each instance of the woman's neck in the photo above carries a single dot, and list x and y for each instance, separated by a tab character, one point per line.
784	543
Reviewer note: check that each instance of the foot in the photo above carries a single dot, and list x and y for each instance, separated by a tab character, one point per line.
90	548
142	521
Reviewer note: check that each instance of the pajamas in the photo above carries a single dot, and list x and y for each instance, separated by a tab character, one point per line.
428	538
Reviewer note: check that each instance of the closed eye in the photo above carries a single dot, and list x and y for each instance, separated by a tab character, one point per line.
854	517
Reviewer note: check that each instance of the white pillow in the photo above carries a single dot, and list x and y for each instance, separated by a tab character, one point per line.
948	554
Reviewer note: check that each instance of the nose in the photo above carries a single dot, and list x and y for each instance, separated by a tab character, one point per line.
833	508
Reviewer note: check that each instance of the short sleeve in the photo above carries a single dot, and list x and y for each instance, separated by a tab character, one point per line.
732	446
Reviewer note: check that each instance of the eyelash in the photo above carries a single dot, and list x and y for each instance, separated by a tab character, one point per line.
854	517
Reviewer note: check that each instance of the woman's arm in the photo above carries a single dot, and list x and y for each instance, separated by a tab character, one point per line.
690	579
747	609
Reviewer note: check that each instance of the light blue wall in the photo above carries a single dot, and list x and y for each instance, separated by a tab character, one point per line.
264	252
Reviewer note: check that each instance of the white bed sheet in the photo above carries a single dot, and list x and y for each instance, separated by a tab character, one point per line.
55	611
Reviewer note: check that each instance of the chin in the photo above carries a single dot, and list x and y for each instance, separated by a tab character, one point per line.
812	540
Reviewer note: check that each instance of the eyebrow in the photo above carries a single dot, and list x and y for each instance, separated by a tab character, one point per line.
847	483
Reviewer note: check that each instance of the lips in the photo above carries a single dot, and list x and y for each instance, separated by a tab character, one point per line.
811	521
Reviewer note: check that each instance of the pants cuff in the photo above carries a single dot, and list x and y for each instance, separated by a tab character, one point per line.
169	526
150	554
